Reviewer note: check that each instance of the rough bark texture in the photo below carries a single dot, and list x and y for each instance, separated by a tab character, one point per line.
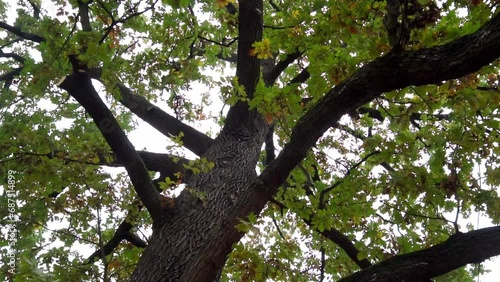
199	235
193	244
459	250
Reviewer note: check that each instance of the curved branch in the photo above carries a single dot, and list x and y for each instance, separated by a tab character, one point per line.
80	87
459	250
36	9
343	242
393	71
336	237
123	232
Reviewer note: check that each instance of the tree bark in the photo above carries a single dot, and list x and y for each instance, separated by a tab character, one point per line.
193	243
459	250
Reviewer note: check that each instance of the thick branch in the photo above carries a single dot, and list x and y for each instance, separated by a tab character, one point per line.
164	163
391	21
17	31
167	165
14	56
336	237
247	66
301	77
123	232
36	9
459	250
84	15
193	140
10	75
111	245
393	71
270	155
273	74
79	86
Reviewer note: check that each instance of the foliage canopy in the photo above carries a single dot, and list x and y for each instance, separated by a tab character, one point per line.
380	121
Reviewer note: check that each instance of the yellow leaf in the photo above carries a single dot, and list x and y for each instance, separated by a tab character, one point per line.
262	49
223	3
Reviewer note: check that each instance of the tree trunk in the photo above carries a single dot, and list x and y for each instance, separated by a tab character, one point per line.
192	243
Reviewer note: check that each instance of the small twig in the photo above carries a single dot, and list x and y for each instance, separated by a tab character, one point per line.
67	39
455	223
277	27
219	43
277	227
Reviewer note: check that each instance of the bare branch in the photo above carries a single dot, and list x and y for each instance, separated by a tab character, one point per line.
10	75
336	237
231	8
167	165
36	9
391	22
376	114
223	44
270	155
275	7
343	242
301	77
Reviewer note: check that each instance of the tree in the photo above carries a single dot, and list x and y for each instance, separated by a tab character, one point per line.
381	111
